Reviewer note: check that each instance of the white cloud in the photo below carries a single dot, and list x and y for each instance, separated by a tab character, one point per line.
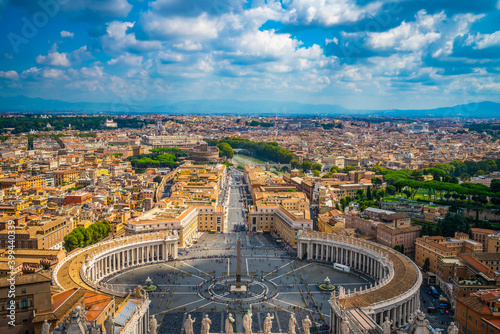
170	57
329	12
92	72
266	44
52	73
194	28
334	40
126	59
63	59
29	72
54	58
117	40
411	36
188	45
483	41
12	75
67	34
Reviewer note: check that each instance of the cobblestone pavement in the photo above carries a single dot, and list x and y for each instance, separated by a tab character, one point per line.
215	255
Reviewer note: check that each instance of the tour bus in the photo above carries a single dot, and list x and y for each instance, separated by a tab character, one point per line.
434	292
341	267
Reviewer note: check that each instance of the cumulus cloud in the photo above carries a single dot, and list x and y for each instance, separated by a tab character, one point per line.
126	59
118	39
54	58
52	73
483	41
409	36
167	28
188	45
266	44
12	75
67	34
329	12
63	59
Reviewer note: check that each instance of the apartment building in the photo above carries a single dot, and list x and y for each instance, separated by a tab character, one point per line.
480	235
32	292
278	207
437	246
43	234
479	313
35	182
64	176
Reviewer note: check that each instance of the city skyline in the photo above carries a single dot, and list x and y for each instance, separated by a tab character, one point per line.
357	54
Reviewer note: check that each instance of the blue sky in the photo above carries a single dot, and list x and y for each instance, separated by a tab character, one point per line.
359	54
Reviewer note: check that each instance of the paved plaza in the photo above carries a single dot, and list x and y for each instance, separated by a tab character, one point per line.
278	284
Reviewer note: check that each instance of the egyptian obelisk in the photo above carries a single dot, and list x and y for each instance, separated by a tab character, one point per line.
238	265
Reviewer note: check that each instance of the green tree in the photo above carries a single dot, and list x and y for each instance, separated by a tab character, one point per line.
495	186
453	222
316	166
316	173
225	150
157	179
347	169
391	190
400	248
334	169
306	165
426	266
295	163
369	193
376	181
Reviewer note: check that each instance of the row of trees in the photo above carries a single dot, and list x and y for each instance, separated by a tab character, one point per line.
82	237
159	157
266	150
263	124
82	123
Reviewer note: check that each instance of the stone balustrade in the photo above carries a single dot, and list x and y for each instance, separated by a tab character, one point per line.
394	295
111	256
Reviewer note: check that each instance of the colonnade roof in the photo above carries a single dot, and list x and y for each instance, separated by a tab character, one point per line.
405	272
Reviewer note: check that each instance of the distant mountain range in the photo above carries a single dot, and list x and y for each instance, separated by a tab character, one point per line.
234	107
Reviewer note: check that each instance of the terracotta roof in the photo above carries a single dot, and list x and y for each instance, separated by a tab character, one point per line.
474	303
478	265
398	230
27	279
62	303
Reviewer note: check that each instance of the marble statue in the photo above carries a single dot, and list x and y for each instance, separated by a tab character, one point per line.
306	325
291	324
268	324
247	322
188	325
205	325
344	327
386	326
229	324
45	327
138	293
108	325
152	325
453	329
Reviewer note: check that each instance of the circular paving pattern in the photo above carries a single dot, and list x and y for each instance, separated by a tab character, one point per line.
279	284
257	291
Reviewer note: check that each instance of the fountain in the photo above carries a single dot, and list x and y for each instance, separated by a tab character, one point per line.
326	286
149	285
